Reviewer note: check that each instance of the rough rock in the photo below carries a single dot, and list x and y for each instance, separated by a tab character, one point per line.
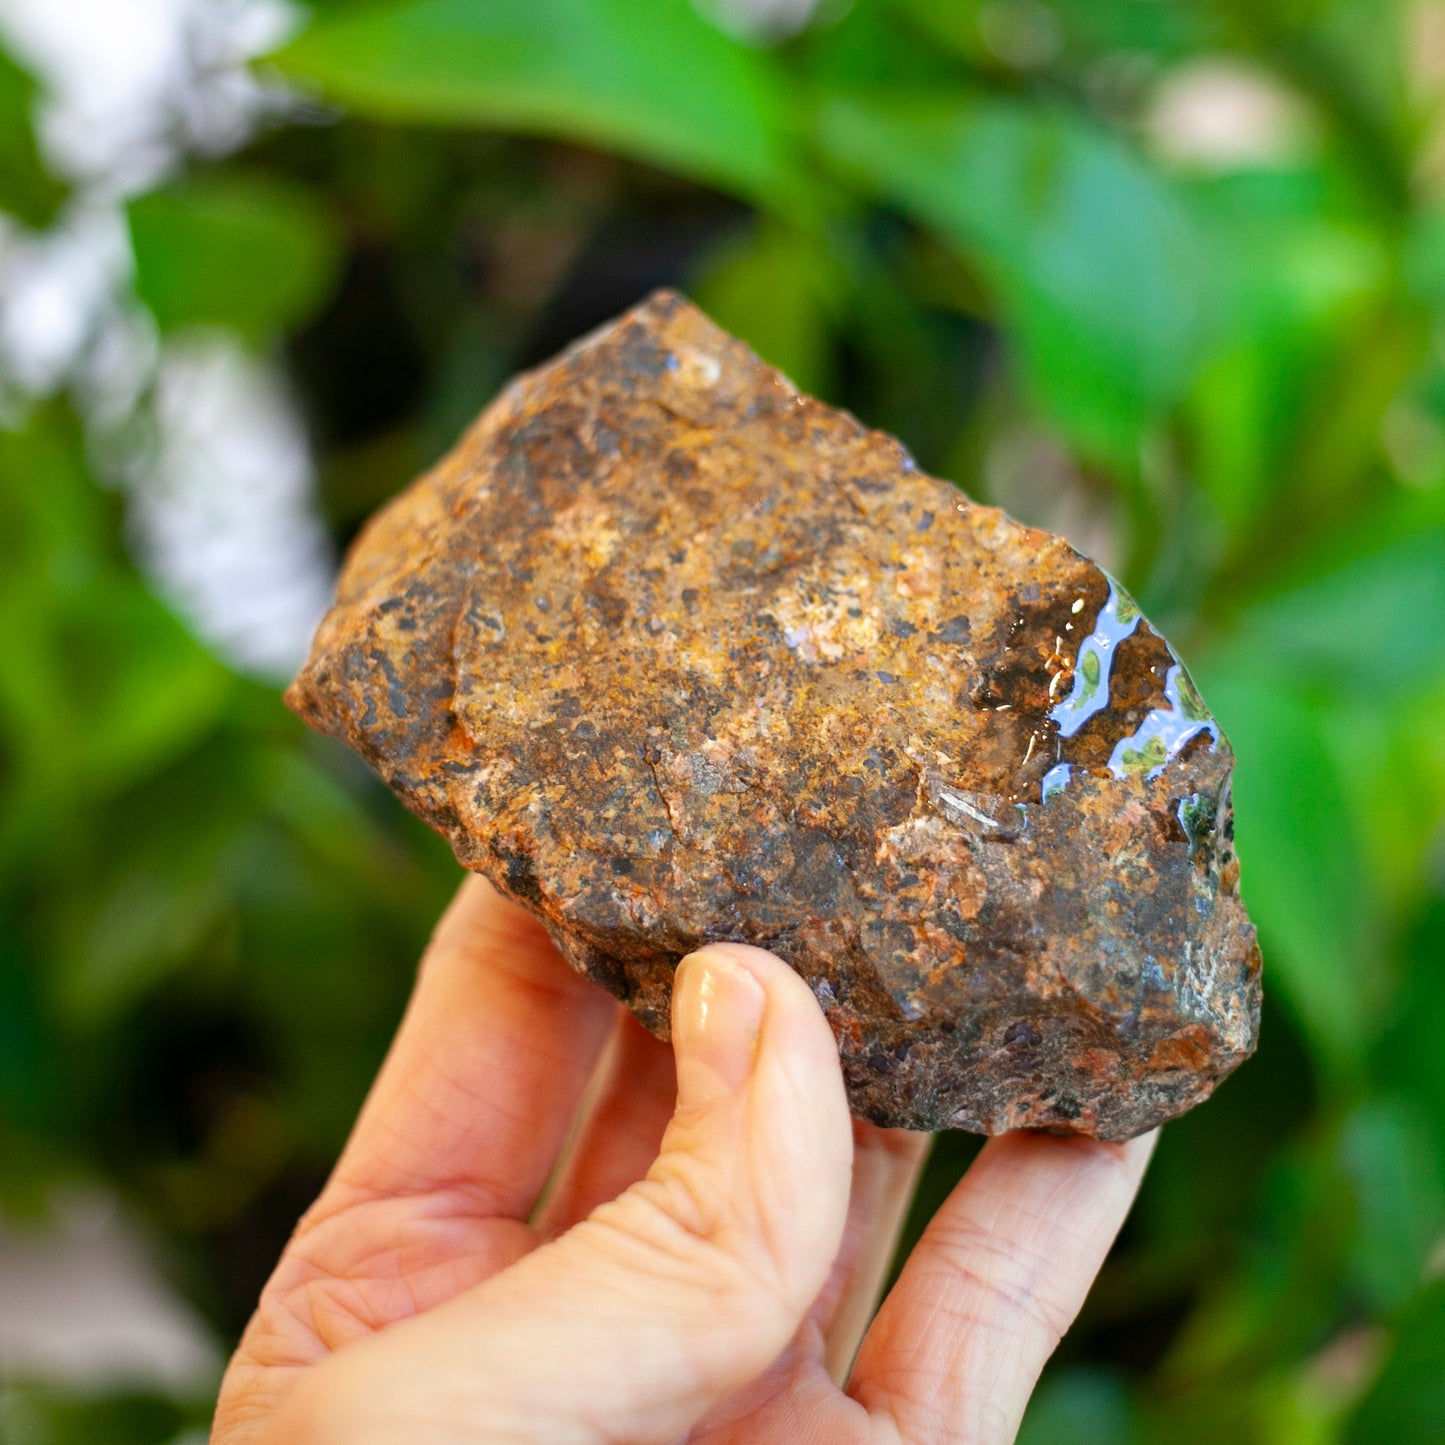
672	653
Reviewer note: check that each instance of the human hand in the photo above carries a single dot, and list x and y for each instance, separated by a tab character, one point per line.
702	1272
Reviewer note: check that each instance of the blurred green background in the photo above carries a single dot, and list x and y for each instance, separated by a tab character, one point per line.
1169	277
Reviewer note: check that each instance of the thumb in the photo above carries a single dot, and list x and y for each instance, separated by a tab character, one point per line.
672	1296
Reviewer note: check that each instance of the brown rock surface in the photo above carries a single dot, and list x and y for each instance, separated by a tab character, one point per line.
672	653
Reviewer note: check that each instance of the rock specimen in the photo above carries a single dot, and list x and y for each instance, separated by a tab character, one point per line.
672	653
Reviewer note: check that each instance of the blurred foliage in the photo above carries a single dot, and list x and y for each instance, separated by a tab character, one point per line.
200	246
27	190
974	223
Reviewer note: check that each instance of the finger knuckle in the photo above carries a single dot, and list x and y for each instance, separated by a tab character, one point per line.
684	1233
997	1281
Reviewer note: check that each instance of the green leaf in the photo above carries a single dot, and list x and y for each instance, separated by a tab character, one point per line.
771	288
871	47
1389	1160
1409	1056
1105	27
951	23
50	1414
1376	621
1394	758
1094	264
1302	873
61	526
647	78
139	928
1406	1406
1282	1285
980	31
1083	1405
1423	258
27	190
259	256
99	682
1300	279
27	1094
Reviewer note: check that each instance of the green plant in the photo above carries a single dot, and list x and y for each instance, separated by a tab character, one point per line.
968	223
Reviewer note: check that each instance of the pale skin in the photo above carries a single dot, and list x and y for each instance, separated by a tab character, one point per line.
549	1227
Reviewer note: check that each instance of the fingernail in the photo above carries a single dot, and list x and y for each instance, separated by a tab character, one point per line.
717	1011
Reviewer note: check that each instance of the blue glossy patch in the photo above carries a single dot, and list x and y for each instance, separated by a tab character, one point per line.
1117	620
1056	780
1165	731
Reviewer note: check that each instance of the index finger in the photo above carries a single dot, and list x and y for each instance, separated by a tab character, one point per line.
454	1143
478	1091
997	1278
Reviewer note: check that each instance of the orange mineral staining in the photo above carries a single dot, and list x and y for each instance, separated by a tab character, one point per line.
672	654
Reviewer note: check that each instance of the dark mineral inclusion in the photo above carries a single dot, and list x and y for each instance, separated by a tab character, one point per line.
672	654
